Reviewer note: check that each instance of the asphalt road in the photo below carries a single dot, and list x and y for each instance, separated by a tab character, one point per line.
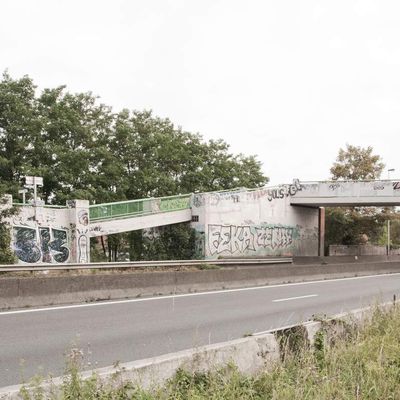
36	340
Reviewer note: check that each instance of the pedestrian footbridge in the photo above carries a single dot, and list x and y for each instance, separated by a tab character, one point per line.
132	215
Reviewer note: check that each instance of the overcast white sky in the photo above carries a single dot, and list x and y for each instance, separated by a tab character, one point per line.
290	81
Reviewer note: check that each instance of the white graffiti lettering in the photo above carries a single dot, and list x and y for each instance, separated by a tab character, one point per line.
239	239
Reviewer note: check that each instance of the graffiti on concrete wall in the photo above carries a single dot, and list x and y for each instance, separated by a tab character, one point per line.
396	185
284	191
379	186
243	238
83	249
216	198
198	200
43	244
82	231
334	186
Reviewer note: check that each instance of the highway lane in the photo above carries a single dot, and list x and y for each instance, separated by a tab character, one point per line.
134	329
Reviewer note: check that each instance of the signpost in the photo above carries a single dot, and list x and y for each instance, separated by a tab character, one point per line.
33	182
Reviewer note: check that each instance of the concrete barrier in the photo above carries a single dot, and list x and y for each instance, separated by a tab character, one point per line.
18	292
343	259
250	355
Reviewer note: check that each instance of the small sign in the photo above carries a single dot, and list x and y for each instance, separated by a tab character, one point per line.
31	181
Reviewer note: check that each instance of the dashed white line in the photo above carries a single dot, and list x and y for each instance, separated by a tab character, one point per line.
294	298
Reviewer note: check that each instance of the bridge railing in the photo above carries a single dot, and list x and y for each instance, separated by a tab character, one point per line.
373	188
140	207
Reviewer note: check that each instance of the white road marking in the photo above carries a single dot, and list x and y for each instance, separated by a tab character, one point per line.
294	298
213	292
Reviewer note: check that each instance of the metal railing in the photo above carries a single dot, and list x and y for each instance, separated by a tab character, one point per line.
145	264
42	205
132	208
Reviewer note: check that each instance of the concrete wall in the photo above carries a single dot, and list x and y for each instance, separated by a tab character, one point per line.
360	250
249	223
39	290
51	235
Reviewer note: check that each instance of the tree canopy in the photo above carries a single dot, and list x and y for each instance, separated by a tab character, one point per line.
357	163
84	150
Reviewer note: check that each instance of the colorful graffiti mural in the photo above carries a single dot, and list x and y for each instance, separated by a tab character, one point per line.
43	244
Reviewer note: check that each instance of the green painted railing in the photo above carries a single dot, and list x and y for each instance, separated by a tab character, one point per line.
132	208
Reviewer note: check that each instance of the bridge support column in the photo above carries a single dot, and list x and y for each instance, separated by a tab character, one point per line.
321	232
80	239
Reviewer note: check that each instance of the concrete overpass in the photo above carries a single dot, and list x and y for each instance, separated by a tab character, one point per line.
348	193
286	220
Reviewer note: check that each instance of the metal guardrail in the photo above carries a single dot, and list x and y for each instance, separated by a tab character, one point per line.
143	264
139	207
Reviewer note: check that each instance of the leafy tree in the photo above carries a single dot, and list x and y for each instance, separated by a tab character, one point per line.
6	254
84	150
357	224
73	147
357	163
19	123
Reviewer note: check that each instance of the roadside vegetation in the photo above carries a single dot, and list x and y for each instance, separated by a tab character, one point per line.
357	363
85	150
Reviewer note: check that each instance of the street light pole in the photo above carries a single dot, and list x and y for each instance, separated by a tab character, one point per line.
389	171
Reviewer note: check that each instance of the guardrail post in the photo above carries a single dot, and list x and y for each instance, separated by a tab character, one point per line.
321	232
80	239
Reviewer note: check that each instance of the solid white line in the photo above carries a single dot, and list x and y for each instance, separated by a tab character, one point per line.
294	298
105	303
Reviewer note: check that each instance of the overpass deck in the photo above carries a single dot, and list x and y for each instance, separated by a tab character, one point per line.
348	193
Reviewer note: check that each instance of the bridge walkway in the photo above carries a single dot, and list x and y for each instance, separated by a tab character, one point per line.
125	216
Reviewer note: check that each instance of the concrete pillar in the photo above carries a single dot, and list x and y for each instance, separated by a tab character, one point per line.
80	239
321	230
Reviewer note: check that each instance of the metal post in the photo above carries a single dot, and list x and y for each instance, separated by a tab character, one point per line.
321	236
388	237
34	191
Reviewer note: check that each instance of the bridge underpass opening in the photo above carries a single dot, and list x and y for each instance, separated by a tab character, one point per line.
359	231
168	242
